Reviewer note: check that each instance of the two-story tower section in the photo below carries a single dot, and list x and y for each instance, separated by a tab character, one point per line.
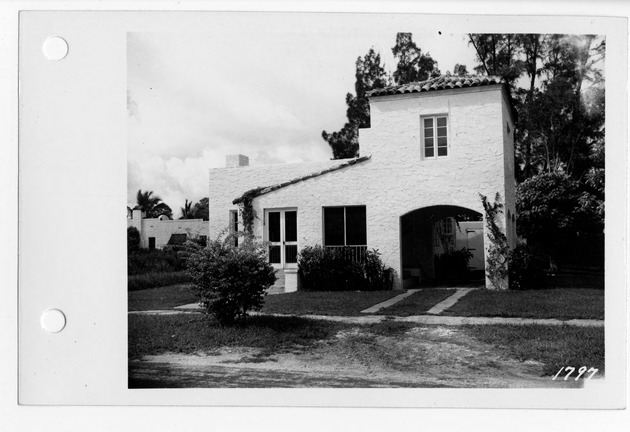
413	193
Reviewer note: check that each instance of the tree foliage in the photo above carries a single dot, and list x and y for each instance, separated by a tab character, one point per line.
555	210
133	239
186	212
412	65
557	85
460	70
152	205
370	74
201	210
198	210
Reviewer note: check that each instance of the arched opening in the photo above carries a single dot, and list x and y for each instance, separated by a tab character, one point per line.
441	244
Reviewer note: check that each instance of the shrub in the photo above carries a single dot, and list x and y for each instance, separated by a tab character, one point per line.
323	269
229	280
156	280
453	264
144	261
133	239
527	267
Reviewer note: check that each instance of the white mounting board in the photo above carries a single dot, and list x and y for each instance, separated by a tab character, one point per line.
72	183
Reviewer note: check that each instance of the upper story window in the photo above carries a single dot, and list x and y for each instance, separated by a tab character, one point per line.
435	134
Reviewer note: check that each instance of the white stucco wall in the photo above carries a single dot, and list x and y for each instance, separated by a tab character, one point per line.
163	229
396	180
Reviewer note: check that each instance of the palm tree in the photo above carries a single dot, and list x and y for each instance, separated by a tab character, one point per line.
152	205
187	211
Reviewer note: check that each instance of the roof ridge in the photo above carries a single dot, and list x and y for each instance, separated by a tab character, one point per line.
441	82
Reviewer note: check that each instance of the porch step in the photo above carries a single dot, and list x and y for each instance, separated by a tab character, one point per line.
278	286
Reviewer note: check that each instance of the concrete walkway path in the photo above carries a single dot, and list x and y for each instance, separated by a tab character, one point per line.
417	319
449	302
389	302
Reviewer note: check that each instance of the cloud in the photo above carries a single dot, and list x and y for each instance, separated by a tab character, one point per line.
242	87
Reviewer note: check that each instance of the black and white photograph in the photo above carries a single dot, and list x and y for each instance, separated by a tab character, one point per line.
340	216
351	201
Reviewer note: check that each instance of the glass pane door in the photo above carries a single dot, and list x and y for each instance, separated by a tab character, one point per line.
282	237
274	237
290	237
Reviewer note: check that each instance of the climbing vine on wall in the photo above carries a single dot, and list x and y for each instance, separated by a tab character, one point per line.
498	251
248	214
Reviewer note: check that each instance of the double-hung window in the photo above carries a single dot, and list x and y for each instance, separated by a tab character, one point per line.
435	135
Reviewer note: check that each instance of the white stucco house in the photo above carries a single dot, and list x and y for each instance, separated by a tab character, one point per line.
155	233
432	148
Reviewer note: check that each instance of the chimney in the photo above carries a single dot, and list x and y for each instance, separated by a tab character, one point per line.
235	161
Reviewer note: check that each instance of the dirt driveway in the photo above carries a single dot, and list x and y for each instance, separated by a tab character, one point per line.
420	356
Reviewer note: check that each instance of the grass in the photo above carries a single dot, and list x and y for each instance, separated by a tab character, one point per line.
343	303
192	332
160	298
560	303
555	346
418	303
155	279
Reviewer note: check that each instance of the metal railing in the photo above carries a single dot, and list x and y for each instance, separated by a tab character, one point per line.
352	253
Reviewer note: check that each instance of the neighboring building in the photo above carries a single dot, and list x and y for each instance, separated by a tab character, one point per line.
159	232
432	148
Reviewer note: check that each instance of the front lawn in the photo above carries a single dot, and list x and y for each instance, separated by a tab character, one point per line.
343	303
160	298
418	303
193	332
555	346
560	303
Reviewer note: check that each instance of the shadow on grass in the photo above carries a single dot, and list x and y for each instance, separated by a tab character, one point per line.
555	346
157	334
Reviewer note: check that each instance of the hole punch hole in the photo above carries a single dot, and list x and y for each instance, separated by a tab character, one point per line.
53	320
55	48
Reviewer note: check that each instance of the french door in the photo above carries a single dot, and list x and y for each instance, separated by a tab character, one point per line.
281	230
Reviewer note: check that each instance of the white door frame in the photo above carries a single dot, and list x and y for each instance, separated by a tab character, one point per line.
282	243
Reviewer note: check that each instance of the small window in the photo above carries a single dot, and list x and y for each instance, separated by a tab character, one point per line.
151	243
234	226
435	136
508	128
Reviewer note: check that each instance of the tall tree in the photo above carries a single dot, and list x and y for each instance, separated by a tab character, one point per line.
370	74
560	135
412	64
564	120
497	54
152	205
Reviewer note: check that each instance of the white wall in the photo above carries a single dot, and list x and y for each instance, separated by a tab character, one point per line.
396	180
163	229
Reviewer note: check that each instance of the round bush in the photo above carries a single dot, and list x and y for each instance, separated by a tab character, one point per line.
229	281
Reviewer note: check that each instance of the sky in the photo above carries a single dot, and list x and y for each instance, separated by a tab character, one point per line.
265	88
